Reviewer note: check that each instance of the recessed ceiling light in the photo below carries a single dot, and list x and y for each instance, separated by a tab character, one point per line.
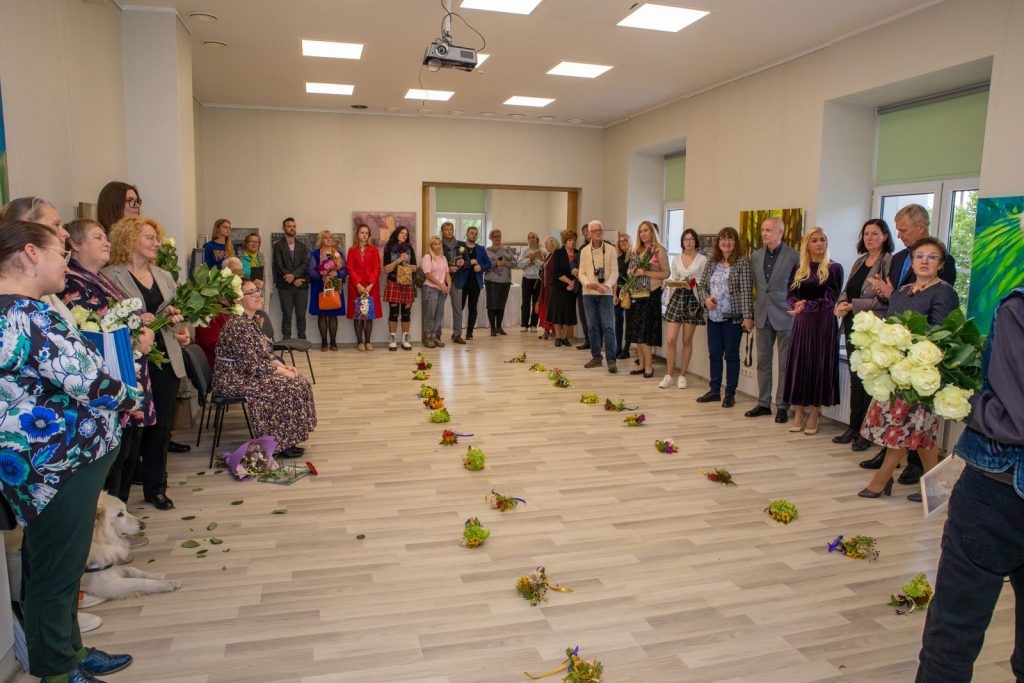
481	57
214	43
517	116
324	48
520	101
575	120
487	114
578	69
330	88
508	6
546	118
662	17
205	17
436	95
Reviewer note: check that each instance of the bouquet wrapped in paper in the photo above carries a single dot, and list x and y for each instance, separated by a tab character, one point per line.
501	502
252	459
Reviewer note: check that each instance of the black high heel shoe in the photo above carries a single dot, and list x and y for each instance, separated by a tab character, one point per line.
846	437
868	493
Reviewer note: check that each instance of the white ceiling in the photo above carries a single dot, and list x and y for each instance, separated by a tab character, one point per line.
263	66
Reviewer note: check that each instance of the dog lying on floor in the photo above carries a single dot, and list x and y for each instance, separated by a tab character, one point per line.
103	576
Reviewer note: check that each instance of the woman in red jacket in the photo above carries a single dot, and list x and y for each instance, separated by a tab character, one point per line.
363	292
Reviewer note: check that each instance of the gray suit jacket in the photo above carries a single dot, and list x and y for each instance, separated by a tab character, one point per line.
120	275
770	296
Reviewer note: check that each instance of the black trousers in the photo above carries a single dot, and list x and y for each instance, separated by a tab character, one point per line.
293	300
122	469
471	291
531	293
155	439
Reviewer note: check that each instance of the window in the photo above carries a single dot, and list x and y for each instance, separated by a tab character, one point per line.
461	221
674	227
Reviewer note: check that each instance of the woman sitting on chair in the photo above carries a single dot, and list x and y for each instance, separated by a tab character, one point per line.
280	402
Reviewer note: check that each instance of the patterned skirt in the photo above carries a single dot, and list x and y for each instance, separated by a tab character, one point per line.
395	293
683	307
899	424
643	320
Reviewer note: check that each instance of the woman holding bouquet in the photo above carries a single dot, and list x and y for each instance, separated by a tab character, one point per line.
363	294
327	272
647	268
134	243
812	374
399	292
280	400
684	311
896	424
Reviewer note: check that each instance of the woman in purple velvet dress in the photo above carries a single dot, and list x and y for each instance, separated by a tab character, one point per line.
812	376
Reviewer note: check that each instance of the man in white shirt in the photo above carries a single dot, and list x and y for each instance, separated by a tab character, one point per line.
599	270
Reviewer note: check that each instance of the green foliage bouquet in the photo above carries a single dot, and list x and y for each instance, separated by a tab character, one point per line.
201	299
167	257
904	357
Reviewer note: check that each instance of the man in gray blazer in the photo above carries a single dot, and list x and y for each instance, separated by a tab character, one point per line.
771	266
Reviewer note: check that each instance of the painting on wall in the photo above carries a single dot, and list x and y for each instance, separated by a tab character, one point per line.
383	223
997	264
5	192
750	227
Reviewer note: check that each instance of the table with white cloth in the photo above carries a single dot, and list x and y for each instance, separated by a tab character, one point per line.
512	309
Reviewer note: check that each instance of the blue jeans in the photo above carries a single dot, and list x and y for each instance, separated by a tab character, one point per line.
600	321
724	342
981	544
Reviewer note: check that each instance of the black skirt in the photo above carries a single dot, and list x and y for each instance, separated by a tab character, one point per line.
643	324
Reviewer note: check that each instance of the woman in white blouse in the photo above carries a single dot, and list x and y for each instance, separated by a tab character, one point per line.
531	260
684	311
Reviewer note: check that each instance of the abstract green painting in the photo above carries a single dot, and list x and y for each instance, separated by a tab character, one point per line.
998	262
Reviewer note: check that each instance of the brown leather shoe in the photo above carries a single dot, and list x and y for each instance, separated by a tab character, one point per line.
458	339
593	363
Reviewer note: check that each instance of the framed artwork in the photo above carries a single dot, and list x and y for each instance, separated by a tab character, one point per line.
997	265
383	223
750	227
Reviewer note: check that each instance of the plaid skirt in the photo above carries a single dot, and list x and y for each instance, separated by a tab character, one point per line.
683	307
395	293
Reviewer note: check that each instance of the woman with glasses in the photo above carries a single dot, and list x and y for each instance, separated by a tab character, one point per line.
280	401
117	200
896	424
498	281
683	312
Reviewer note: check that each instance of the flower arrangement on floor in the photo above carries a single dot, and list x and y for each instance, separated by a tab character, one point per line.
420	375
252	460
440	416
588	398
503	503
450	438
167	257
535	586
782	510
204	296
427	391
719	475
433	403
124	313
667	446
521	358
635	420
422	363
554	373
917	594
578	670
474	533
905	358
617	407
858	548
474	460
561	382
538	367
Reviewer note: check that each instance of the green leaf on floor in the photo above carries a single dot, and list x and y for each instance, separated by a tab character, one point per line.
237	502
190	544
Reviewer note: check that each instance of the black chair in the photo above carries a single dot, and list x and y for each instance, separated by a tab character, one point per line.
289	345
197	368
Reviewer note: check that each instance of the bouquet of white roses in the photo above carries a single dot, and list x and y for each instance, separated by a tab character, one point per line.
209	293
125	313
904	357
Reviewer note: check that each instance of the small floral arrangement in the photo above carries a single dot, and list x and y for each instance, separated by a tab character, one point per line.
521	358
635	420
433	403
561	382
422	363
440	416
588	398
252	459
917	594
667	446
857	548
719	475
326	266
427	391
474	459
420	375
124	313
450	438
503	503
474	533
578	670
363	307
167	257
782	510
535	585
554	374
538	367
200	299
616	407
905	358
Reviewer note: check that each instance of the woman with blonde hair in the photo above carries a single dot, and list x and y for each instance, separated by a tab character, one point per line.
648	267
219	247
812	375
326	272
531	261
435	290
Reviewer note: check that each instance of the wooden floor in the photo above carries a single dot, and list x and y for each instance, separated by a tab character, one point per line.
674	578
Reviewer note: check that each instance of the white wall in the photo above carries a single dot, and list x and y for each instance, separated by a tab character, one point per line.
517	212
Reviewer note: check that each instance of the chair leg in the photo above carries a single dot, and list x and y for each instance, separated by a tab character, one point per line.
310	361
218	422
202	414
245	412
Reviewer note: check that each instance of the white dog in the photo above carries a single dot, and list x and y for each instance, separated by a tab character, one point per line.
103	576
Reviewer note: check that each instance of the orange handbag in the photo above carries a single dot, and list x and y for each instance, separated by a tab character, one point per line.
329	300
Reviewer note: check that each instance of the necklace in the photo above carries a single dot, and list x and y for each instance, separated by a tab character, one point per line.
919	287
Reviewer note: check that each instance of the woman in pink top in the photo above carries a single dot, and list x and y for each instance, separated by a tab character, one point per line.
435	291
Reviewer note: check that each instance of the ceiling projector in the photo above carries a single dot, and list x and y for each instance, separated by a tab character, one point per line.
443	55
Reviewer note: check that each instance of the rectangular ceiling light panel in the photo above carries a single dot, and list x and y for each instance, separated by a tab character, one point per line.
323	48
578	69
435	95
520	101
662	17
508	6
330	88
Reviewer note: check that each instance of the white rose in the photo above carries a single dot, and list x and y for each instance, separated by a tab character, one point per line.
856	358
952	402
869	371
865	321
862	340
881	387
895	335
236	282
170	241
883	356
900	372
925	379
925	353
134	322
225	273
237	309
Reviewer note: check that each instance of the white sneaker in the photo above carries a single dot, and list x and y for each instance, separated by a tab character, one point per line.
392	343
681	384
87	600
88	622
666	382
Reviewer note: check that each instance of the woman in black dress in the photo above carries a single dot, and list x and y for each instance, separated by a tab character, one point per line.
562	301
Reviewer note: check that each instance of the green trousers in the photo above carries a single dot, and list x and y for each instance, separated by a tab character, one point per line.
57	544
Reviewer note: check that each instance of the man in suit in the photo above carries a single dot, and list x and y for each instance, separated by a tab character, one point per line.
475	263
771	266
291	264
912	222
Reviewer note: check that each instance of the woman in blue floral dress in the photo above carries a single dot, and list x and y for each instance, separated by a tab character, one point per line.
58	421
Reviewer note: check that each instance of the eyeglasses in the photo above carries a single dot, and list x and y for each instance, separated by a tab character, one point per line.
133	202
254	292
63	252
926	257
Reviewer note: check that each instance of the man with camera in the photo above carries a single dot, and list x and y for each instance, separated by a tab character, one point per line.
599	270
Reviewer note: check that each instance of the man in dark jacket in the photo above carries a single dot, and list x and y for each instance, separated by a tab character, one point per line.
291	264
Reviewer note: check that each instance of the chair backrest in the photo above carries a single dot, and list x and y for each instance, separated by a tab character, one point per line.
266	325
197	368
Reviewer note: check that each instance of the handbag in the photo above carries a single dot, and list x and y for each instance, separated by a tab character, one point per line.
403	275
625	300
418	277
329	299
365	310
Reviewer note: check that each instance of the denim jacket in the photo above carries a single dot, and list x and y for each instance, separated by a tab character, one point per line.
979	450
